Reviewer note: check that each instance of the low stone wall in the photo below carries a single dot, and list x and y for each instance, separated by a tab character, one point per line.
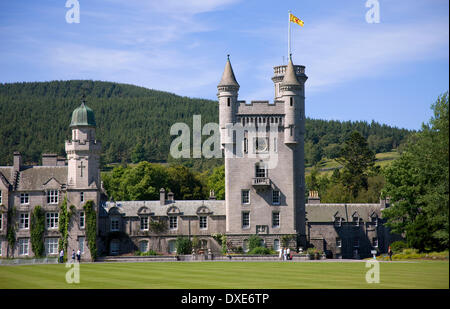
125	259
28	261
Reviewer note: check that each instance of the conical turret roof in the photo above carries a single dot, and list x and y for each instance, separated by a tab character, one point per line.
228	78
290	78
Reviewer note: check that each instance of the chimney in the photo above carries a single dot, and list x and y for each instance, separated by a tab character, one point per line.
162	196
313	197
61	161
17	161
49	159
212	196
170	197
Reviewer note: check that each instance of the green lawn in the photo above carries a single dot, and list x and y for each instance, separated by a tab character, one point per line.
221	275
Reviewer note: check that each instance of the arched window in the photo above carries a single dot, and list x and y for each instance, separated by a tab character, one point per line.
143	246
276	244
172	246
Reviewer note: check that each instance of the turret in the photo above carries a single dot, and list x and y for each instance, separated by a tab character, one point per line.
292	93
83	150
227	93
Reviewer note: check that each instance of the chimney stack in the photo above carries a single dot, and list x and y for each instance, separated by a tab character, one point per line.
313	197
49	159
170	197
162	196
17	161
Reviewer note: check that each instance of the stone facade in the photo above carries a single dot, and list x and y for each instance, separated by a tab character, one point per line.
263	144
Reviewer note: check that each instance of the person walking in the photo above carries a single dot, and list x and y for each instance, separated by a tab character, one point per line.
280	256
284	254
390	253
61	256
78	256
73	256
288	253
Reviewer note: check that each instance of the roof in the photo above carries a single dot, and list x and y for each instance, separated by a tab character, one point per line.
187	208
83	116
290	79
228	78
327	212
41	177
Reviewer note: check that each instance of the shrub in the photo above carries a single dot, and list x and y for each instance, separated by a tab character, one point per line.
398	246
148	253
254	241
183	245
261	250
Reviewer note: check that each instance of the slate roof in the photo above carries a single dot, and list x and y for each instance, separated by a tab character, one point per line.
290	79
327	212
228	78
187	208
34	178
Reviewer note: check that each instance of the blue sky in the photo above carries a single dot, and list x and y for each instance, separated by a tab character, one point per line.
390	71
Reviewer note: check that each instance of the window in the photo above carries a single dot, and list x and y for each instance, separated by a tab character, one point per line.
291	130
245	245
52	197
1	202
275	219
52	220
357	220
276	197
24	221
261	144
245	220
114	247
82	219
172	246
24	198
260	170
228	101
51	245
356	243
245	196
245	145
81	197
338	221
203	222
23	246
338	242
276	244
291	101
114	224
81	244
143	246
144	223
375	221
375	242
173	222
1	222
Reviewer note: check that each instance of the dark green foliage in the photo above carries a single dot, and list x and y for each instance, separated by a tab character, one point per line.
11	233
143	182
134	123
261	250
64	221
91	228
418	185
148	253
183	245
254	241
37	229
398	246
158	227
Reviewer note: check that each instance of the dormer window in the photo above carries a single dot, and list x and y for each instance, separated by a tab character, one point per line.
338	221
144	223
52	197
375	220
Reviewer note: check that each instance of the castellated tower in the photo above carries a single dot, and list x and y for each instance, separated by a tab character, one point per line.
261	197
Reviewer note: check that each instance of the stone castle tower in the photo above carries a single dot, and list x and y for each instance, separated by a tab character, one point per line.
264	168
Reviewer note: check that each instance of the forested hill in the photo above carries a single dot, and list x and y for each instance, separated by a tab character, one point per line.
134	122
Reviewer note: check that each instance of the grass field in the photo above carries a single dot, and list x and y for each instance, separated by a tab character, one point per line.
229	275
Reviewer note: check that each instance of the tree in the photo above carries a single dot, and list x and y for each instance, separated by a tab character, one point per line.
358	161
418	184
216	182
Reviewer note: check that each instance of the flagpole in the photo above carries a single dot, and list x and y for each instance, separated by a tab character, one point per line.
289	34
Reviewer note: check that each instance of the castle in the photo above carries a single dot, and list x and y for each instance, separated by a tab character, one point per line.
264	182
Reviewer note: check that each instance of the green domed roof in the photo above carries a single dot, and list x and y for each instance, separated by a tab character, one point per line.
83	116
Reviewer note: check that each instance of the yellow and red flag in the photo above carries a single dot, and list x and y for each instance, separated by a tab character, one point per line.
296	20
